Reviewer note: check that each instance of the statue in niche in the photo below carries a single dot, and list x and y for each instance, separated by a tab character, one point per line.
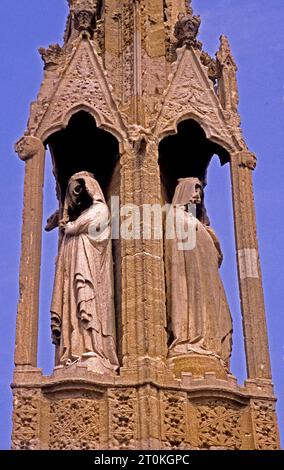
82	310
199	316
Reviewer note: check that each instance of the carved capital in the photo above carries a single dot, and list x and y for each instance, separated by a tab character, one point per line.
28	146
139	138
52	55
247	160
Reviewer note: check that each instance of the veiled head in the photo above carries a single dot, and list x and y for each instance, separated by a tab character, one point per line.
83	190
188	191
83	183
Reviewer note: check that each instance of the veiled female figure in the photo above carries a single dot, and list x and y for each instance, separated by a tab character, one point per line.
82	310
199	316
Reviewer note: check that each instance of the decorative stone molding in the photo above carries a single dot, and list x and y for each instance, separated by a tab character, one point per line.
82	86
189	94
92	414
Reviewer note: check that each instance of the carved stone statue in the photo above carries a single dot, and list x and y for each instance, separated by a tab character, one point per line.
186	29
199	316
82	310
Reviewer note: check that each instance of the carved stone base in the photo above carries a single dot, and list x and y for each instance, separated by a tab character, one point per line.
83	412
197	365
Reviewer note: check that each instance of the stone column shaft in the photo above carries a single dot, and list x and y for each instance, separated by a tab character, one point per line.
250	281
143	298
31	150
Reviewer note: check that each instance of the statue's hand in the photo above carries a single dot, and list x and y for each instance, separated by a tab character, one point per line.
62	225
52	222
55	328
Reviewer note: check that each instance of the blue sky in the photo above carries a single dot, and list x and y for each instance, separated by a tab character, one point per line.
255	30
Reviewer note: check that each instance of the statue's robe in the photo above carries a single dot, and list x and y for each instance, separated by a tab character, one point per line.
199	316
83	290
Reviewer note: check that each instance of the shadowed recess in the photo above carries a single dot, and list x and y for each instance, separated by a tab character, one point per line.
82	146
186	153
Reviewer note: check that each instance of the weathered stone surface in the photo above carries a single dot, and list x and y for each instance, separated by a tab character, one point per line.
138	69
206	413
75	424
26	421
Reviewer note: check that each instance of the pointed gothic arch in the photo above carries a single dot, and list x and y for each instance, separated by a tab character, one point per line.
83	146
188	152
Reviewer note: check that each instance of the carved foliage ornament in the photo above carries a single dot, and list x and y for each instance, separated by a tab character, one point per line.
123	418
83	83
26	420
75	424
265	425
188	93
174	420
219	426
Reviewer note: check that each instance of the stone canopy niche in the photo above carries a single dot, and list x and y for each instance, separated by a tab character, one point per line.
82	146
187	153
131	105
199	322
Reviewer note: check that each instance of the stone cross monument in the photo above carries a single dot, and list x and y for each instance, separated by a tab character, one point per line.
133	109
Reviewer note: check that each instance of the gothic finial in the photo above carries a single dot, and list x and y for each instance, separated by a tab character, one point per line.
187	27
227	86
224	55
83	16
